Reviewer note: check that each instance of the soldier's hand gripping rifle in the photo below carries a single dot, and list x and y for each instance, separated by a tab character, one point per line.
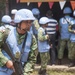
17	64
70	24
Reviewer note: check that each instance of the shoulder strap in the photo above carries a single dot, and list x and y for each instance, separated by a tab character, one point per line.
67	21
22	50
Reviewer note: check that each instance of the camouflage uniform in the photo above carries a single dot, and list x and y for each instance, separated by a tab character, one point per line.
36	24
29	64
72	42
44	49
71	54
64	35
63	43
3	59
34	28
44	60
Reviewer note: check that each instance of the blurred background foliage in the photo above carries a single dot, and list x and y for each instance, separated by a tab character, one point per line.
2	8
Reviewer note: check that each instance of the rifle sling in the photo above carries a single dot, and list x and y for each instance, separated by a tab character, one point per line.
22	50
68	21
6	48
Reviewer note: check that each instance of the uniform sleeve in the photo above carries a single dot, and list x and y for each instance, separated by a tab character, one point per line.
32	57
36	24
3	34
70	29
41	37
3	59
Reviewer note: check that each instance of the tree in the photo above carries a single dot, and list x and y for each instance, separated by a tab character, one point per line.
2	8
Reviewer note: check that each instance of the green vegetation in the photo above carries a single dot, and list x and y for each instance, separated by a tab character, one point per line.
2	8
2	4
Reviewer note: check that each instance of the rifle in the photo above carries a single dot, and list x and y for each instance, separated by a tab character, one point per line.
17	64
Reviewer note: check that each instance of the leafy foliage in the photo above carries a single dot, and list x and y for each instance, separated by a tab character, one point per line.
2	4
2	8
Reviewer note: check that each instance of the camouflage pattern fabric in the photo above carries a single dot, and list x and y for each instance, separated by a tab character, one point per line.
62	45
44	59
3	59
71	54
29	65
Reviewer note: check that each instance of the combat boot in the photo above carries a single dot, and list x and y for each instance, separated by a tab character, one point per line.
42	72
59	61
72	63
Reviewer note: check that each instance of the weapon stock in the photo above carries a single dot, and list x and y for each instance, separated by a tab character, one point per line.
17	64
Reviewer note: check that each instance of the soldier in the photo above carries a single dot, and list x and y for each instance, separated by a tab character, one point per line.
64	33
15	39
13	12
35	25
43	45
71	29
6	22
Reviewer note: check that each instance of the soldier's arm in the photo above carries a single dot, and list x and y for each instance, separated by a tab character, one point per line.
32	56
36	24
42	37
3	59
70	29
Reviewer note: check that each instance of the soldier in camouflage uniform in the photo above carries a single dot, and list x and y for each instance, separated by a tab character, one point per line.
35	27
72	42
64	33
6	20
15	38
43	45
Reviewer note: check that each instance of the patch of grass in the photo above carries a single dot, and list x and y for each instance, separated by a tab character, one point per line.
55	73
60	73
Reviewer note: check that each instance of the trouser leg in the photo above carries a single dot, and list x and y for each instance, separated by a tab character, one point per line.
62	46
71	54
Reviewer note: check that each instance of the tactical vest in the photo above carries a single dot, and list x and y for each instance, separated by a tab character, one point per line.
43	45
64	27
12	41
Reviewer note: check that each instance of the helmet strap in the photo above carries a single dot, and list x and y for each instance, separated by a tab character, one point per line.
19	26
